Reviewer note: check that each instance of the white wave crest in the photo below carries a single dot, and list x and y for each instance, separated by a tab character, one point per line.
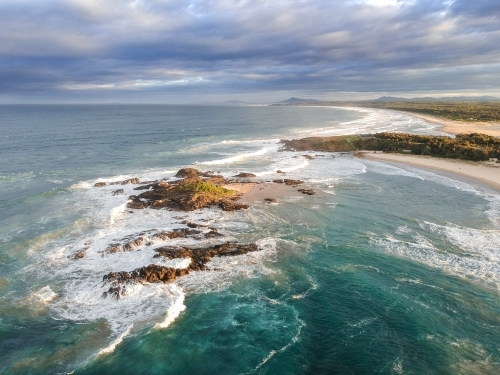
479	261
239	157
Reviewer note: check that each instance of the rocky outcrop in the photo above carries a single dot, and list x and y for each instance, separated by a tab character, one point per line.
149	238
134	181
193	225
245	175
270	200
191	193
176	233
136	203
194	191
307	191
188	173
81	253
292	182
288	181
228	205
200	257
150	274
129	246
157	273
280	171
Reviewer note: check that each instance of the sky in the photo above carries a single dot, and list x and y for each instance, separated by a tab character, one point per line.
179	51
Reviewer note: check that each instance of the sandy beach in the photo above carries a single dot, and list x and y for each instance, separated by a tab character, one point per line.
456	127
486	172
254	192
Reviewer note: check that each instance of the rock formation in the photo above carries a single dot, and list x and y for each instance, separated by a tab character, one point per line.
157	273
292	182
245	175
307	191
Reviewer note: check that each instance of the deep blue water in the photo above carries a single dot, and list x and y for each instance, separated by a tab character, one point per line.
387	270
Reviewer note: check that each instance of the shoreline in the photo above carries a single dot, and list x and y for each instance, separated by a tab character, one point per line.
485	172
456	127
255	191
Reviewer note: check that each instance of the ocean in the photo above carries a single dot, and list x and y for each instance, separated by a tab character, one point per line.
389	269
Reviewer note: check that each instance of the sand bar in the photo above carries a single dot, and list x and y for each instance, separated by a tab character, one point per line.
257	192
456	127
486	172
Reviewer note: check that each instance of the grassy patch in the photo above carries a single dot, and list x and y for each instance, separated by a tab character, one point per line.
204	187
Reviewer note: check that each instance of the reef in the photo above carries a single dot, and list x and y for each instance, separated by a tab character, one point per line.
192	191
158	273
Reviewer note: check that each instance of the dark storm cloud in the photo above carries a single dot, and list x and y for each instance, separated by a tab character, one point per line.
90	48
477	8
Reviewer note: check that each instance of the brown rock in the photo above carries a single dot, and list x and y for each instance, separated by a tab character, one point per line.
99	184
133	244
307	191
278	181
245	175
157	273
176	233
279	171
213	233
188	173
270	200
292	182
308	157
134	180
81	253
136	203
227	205
202	256
193	225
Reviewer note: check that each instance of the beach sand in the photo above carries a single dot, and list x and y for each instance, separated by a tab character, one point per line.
486	172
255	192
456	127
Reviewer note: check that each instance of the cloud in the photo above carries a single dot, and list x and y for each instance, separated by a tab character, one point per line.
139	47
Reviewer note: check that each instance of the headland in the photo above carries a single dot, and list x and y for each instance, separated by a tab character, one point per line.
471	155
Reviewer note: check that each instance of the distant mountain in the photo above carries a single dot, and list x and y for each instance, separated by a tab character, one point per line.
390	99
230	102
470	98
293	100
443	98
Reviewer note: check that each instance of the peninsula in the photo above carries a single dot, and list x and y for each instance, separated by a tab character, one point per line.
471	155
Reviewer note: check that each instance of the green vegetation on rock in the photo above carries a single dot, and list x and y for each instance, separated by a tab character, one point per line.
201	186
472	146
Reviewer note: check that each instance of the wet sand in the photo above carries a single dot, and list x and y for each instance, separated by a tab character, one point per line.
254	192
486	172
456	127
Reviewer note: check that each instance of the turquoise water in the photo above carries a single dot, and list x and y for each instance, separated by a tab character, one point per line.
389	269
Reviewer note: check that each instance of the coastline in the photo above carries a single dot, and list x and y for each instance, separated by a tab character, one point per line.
254	191
456	127
485	172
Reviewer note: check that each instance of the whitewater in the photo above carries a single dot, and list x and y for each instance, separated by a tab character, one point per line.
388	269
